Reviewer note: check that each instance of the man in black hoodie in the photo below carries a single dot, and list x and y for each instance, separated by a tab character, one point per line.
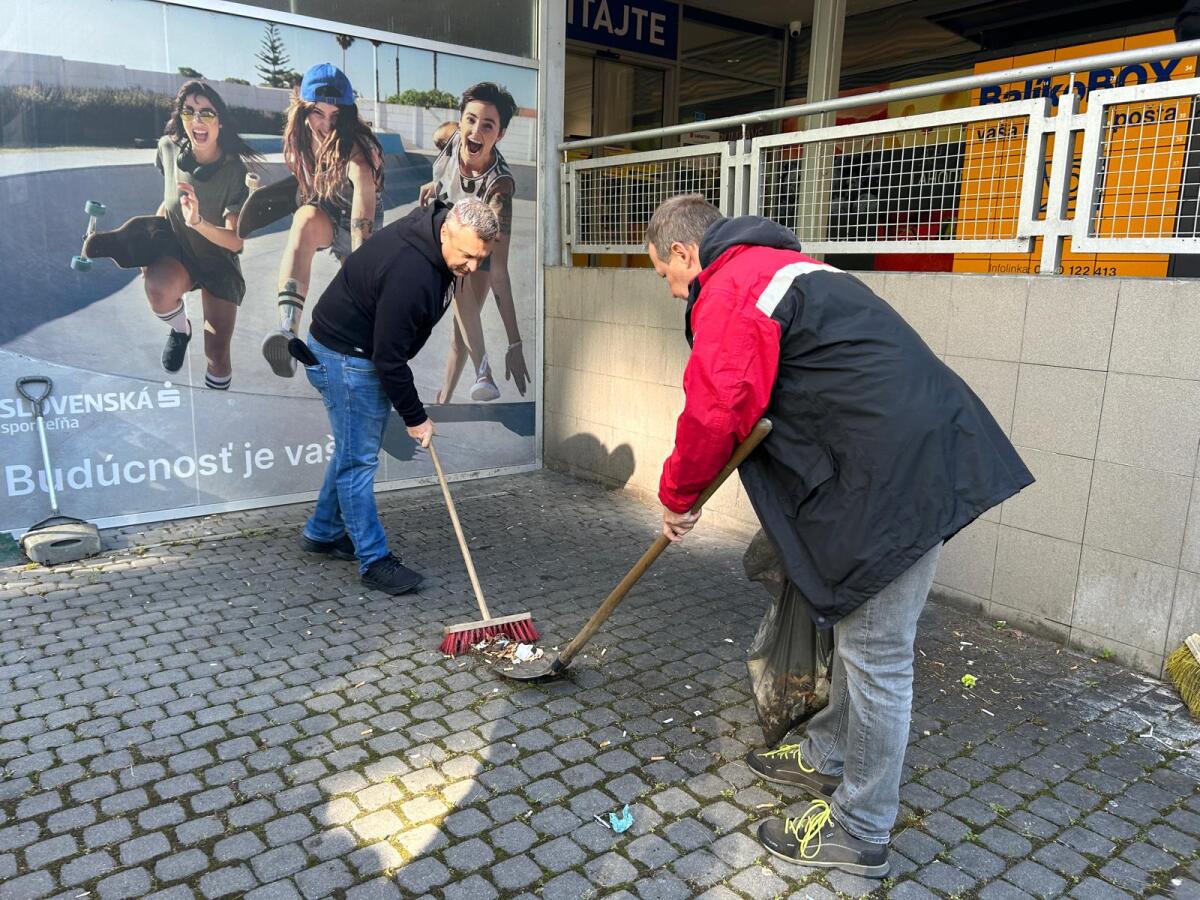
368	325
879	453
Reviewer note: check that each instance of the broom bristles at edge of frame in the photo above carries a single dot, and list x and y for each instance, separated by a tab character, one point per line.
1183	668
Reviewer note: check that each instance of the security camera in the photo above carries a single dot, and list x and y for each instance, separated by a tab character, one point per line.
794	27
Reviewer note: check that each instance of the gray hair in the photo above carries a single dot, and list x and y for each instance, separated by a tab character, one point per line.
478	216
684	219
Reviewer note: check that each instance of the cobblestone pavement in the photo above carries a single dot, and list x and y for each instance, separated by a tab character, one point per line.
204	711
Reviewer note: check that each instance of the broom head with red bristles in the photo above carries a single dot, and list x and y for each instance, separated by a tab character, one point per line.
461	638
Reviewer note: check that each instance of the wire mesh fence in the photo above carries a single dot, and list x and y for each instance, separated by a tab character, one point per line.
948	182
1148	169
973	180
612	203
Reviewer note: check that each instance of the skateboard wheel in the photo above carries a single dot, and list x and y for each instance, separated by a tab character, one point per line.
93	208
81	263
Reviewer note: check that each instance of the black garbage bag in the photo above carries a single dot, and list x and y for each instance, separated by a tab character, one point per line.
790	657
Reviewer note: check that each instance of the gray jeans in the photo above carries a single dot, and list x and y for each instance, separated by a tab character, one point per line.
862	734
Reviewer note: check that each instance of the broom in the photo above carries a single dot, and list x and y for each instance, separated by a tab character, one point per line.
460	638
1183	668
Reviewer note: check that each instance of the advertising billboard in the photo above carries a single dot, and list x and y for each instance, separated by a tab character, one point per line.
93	114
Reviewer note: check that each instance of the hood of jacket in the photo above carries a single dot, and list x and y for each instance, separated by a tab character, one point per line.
422	229
725	235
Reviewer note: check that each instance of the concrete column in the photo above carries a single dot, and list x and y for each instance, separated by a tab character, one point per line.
824	78
552	51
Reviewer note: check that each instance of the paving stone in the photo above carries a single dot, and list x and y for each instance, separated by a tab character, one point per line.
226	881
473	888
610	870
129	883
701	869
469	856
568	886
1095	889
1061	859
88	867
378	825
179	866
242	845
663	886
276	890
467	822
1122	874
34	885
1087	842
1036	879
514	873
330	844
326	879
107	833
375	859
947	879
1002	890
144	848
278	863
288	829
738	851
42	854
556	820
917	845
910	890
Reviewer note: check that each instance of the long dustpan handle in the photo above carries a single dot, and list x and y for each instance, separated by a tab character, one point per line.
462	541
36	400
761	429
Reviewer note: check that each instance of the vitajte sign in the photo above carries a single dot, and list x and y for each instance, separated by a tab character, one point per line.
637	26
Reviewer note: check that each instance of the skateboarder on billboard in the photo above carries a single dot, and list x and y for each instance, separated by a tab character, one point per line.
470	165
192	242
338	166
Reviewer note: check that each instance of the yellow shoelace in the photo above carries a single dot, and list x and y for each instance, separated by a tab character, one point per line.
814	820
790	751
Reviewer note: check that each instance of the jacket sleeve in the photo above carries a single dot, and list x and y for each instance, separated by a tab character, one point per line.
401	305
727	386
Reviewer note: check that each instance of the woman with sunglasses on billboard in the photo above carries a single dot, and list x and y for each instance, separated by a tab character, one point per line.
338	164
204	162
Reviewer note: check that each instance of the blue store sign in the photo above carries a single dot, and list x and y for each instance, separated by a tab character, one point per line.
638	26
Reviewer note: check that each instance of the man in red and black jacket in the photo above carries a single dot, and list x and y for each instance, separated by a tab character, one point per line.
879	453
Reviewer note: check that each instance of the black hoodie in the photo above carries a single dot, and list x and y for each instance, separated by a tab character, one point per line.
386	299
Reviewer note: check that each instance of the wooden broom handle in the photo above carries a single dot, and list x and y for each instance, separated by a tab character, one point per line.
761	429
462	541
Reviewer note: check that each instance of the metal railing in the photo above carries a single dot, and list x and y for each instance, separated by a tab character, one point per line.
991	178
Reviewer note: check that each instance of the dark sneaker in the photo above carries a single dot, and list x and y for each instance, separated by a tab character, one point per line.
342	548
814	838
390	576
176	349
275	351
784	765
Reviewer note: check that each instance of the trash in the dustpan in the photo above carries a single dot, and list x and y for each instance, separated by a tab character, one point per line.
501	649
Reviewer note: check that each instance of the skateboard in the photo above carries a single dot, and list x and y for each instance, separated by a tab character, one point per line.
137	243
267	205
94	211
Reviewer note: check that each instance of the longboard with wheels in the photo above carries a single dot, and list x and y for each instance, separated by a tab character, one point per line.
137	243
94	210
267	206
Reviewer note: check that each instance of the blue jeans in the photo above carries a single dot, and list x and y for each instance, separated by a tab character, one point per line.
358	415
861	736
